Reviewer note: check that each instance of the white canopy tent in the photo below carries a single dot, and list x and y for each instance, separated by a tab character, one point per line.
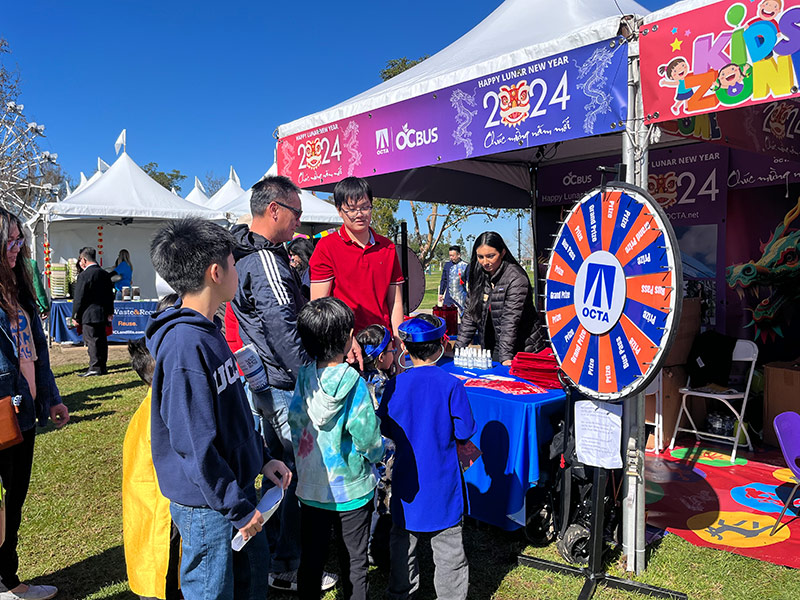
85	183
227	193
317	214
516	33
198	194
124	207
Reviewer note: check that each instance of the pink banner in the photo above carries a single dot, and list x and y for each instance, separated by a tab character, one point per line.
726	55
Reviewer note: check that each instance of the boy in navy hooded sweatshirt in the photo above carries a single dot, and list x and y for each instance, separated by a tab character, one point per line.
205	450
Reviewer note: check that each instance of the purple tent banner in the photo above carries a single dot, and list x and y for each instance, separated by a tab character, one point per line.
749	169
689	182
579	93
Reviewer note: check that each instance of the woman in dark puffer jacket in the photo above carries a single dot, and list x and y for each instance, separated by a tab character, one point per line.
499	302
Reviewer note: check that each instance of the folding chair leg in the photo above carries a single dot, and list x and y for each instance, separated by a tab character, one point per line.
678	422
785	506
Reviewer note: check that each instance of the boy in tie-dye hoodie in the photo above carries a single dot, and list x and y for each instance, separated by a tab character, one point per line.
336	436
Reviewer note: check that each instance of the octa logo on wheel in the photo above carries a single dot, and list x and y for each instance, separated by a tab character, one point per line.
600	292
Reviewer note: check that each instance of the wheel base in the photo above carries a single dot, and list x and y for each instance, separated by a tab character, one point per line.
595	579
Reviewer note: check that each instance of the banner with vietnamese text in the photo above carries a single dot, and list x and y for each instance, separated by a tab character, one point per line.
579	93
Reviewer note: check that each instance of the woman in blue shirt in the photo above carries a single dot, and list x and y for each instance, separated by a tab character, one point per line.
124	269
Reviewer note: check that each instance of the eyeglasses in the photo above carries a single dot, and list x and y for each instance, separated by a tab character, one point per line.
15	244
295	211
361	210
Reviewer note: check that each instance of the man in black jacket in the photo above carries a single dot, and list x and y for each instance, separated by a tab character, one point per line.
266	306
93	308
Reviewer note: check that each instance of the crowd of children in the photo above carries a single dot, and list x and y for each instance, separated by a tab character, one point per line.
375	453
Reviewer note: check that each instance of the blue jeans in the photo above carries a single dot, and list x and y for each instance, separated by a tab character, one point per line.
249	394
283	530
209	568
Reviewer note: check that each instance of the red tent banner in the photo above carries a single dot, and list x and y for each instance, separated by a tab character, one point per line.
722	56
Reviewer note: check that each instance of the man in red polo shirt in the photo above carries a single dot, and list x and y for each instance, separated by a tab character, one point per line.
356	265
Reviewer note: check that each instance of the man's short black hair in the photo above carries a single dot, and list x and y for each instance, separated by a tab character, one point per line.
183	250
424	350
325	326
141	360
351	189
456	248
88	253
276	188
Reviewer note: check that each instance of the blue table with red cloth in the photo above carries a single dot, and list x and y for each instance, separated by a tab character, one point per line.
130	319
512	432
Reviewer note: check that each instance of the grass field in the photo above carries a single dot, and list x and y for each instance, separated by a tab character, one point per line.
72	529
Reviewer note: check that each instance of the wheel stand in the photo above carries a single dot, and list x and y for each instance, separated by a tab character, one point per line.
594	573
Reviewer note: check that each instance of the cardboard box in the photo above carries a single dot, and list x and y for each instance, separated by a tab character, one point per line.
688	328
781	393
673	379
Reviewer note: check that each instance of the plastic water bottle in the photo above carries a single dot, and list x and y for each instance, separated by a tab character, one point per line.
253	369
457	357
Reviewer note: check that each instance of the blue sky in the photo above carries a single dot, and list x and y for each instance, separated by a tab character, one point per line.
202	85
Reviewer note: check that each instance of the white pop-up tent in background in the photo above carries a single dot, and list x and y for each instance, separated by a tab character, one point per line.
123	207
198	194
227	193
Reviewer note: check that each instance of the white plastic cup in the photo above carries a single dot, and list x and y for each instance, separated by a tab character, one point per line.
250	363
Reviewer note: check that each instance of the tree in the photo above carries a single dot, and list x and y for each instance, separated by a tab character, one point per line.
395	66
212	183
429	229
9	80
168	180
383	219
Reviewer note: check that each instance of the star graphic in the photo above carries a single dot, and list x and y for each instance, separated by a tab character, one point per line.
676	45
674	30
687	33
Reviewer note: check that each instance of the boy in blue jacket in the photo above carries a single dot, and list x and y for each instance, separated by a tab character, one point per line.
426	412
205	450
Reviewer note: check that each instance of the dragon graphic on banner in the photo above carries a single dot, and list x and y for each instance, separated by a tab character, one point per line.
462	135
772	280
595	85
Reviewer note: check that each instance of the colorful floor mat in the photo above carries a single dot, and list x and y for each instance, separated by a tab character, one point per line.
698	494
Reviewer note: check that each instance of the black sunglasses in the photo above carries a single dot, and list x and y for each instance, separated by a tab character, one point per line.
295	211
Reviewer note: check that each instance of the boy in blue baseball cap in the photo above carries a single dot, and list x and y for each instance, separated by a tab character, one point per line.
426	412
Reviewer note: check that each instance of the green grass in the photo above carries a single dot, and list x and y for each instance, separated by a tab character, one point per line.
72	530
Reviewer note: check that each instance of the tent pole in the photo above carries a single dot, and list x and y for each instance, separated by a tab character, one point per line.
633	518
532	169
643	162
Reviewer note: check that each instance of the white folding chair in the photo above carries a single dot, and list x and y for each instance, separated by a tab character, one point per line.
744	351
658	420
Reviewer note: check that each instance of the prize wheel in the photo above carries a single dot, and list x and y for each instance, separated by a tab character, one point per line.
416	279
613	292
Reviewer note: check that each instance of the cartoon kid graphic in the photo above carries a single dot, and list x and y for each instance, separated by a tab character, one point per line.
731	78
768	10
673	75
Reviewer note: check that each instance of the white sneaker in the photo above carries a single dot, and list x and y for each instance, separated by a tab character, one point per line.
35	592
287	581
328	581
